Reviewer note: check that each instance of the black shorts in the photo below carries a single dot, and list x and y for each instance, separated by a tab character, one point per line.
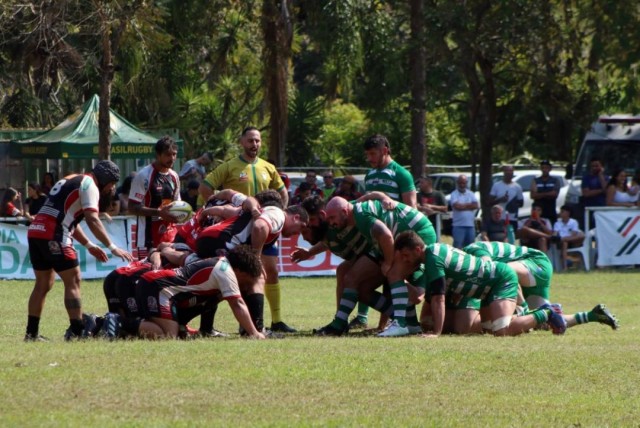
109	288
149	301
47	255
125	289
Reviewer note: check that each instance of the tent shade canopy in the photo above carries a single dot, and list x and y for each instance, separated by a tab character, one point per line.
77	138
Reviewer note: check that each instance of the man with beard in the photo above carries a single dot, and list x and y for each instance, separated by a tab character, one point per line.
154	187
72	199
248	174
360	267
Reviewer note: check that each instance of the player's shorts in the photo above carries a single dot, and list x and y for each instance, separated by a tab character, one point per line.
47	255
109	289
271	249
541	269
455	301
151	303
126	292
504	286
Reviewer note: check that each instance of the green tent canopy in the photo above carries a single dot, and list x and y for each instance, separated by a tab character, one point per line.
77	138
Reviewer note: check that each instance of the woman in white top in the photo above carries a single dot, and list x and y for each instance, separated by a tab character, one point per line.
618	191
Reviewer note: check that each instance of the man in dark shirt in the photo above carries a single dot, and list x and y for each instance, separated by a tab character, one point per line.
430	201
545	190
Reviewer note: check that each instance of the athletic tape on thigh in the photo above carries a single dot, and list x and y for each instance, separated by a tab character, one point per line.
501	323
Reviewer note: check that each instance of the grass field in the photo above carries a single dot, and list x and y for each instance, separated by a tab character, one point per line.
588	377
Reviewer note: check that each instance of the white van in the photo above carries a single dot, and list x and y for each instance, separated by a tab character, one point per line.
615	140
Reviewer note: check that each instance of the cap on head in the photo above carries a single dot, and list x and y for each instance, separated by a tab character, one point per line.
106	172
545	162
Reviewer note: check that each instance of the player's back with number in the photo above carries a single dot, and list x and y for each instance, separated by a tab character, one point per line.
64	207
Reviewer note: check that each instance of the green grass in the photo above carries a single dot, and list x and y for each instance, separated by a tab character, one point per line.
588	377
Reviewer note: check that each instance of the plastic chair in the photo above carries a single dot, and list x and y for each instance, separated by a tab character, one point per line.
586	250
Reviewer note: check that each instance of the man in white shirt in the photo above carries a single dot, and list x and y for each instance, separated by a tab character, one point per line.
567	233
508	194
463	208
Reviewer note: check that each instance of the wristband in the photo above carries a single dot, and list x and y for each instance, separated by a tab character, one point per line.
90	245
238	199
112	247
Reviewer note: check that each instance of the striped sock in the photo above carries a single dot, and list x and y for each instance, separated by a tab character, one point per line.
585	317
541	315
347	303
412	317
380	303
400	299
363	312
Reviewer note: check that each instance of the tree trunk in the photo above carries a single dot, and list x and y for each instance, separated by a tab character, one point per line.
104	122
417	65
278	34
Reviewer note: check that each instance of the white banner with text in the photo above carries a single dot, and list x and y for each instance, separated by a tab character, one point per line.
618	237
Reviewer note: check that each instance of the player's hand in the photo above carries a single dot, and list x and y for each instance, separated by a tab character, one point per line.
258	336
98	253
166	215
389	204
124	255
300	254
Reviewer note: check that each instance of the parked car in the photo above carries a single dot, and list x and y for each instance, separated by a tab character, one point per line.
298	177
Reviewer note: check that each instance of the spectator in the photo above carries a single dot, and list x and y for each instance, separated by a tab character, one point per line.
303	192
311	179
617	194
329	187
195	169
430	201
48	180
190	194
594	185
567	233
348	189
123	193
35	199
545	190
536	231
509	195
11	205
494	228
464	205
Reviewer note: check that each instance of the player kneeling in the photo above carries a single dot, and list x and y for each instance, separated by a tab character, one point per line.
162	294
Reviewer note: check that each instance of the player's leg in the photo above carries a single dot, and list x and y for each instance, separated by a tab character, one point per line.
600	313
272	289
400	300
44	284
72	302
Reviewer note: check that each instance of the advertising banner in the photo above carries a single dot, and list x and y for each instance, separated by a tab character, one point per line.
618	237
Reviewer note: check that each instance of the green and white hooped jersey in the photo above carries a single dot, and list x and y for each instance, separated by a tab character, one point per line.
502	252
401	218
393	179
347	243
471	276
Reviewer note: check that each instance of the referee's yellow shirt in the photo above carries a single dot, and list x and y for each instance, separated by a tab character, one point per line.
245	177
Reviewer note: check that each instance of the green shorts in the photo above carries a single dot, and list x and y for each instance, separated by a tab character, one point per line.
455	301
541	269
504	286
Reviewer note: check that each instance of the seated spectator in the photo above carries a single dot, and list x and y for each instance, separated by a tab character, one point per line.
617	192
302	192
494	228
35	199
11	205
329	187
348	188
567	233
190	194
430	201
536	231
310	178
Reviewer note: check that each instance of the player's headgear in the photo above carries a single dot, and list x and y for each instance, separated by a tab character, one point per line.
106	172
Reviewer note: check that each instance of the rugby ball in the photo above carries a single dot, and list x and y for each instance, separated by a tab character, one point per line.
181	210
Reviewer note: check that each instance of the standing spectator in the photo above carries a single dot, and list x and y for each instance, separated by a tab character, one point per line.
123	193
545	190
430	201
190	194
329	187
567	232
508	194
618	191
249	174
11	205
51	237
494	228
464	205
536	231
152	190
35	199
348	189
594	187
48	181
195	169
387	176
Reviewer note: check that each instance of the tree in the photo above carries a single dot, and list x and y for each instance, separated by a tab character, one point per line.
417	69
